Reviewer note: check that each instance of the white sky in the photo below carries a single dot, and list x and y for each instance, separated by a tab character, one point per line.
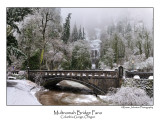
100	17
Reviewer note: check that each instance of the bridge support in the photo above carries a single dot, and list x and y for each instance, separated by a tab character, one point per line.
120	75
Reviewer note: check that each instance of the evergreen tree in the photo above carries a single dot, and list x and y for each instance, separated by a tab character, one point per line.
115	48
128	28
32	61
28	39
83	35
108	58
74	34
80	34
14	15
80	58
147	44
139	42
66	29
118	48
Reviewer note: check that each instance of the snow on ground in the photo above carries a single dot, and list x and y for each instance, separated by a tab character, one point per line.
21	92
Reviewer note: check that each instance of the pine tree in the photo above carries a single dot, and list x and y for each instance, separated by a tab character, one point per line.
80	34
74	34
108	57
147	44
83	35
66	29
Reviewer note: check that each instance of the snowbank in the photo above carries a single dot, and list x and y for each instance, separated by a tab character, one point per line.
21	92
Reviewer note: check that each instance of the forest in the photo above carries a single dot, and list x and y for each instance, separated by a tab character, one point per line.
39	38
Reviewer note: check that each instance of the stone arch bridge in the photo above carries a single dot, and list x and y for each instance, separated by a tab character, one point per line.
97	80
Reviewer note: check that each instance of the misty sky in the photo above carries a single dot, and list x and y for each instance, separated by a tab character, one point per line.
100	17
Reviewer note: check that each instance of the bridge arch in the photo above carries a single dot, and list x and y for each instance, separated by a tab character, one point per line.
56	80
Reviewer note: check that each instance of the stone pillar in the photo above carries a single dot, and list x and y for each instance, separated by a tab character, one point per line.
120	76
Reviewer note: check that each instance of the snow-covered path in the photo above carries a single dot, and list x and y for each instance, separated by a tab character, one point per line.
21	92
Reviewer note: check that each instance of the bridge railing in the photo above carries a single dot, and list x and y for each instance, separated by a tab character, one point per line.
75	73
142	75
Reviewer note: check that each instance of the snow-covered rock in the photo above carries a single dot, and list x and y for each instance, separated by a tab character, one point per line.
11	77
150	77
136	77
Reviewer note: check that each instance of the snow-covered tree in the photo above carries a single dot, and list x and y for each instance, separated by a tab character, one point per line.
14	16
126	38
54	57
147	44
27	40
80	37
38	31
66	29
80	57
74	35
48	17
108	58
83	34
118	48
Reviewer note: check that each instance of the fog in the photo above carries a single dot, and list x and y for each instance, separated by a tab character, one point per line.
91	18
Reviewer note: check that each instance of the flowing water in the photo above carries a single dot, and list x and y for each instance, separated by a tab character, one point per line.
72	93
69	93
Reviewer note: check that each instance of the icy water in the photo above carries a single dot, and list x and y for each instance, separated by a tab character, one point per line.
72	93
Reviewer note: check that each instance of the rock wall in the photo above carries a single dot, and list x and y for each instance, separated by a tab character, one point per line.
145	84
